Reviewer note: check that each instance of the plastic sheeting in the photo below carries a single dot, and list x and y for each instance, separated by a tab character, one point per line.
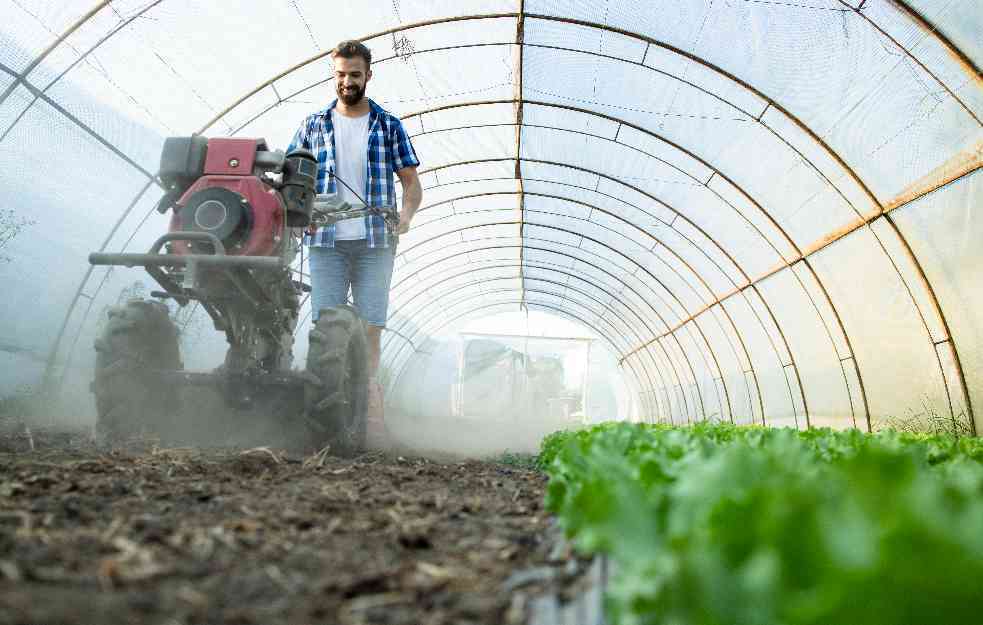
767	210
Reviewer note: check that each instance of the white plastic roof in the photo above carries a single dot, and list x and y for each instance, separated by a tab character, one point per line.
765	208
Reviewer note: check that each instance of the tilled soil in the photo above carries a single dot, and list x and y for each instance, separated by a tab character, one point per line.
142	534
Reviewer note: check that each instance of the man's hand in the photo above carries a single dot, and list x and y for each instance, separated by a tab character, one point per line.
412	196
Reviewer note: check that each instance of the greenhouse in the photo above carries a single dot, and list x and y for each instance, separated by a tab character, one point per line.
718	214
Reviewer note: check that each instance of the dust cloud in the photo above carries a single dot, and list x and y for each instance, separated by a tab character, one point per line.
450	437
420	419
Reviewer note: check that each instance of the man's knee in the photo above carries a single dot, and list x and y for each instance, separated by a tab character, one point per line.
373	333
370	285
329	279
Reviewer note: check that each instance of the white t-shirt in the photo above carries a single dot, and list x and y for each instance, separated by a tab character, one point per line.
351	145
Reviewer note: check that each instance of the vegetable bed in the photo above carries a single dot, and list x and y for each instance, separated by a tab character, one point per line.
717	524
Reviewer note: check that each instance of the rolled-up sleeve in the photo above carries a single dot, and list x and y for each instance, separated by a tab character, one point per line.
301	137
403	153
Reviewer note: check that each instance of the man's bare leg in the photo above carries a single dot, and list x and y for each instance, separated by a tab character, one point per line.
374	339
376	429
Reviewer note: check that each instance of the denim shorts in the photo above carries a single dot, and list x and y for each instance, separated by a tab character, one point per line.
366	270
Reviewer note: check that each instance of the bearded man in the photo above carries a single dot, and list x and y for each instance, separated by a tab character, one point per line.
361	146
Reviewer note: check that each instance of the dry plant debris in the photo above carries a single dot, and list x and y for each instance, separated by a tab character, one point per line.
185	535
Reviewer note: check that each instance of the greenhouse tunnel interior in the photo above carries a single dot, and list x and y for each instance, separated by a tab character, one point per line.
762	212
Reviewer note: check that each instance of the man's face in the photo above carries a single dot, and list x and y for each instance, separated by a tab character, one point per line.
351	76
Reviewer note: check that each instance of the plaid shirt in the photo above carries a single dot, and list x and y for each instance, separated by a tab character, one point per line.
389	151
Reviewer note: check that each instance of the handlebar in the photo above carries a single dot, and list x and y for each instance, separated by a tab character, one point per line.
328	210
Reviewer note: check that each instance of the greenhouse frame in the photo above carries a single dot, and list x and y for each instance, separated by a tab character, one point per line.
767	210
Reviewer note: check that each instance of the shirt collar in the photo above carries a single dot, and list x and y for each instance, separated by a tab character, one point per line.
375	110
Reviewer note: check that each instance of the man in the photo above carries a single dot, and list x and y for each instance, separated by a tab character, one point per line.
359	146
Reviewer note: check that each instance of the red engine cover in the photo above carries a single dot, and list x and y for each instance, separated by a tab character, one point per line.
231	157
229	164
267	213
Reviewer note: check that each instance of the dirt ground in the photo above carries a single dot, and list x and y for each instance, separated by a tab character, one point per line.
148	534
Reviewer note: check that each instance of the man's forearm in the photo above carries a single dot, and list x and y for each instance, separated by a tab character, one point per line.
412	196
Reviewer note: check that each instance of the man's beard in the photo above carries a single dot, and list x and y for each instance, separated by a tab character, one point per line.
351	97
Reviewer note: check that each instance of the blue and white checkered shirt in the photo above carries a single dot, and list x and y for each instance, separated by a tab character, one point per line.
389	149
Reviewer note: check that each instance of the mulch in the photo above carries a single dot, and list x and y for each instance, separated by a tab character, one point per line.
144	533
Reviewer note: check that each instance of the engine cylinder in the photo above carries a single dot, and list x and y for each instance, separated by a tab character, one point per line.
245	214
219	211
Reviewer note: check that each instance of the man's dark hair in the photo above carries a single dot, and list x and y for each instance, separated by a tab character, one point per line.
350	49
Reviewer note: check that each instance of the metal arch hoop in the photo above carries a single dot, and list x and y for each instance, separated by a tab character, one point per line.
71	66
19	77
966	64
689	365
522	15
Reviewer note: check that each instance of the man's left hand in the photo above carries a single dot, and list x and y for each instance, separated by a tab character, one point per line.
412	195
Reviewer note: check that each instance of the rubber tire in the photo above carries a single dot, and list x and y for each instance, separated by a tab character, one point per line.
337	357
140	337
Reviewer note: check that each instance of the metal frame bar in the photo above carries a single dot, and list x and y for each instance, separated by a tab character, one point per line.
74	63
594	208
21	76
605	306
321	55
698	400
677	212
502	264
964	62
970	67
446	294
864	221
49	366
737	332
78	122
520	37
789	241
